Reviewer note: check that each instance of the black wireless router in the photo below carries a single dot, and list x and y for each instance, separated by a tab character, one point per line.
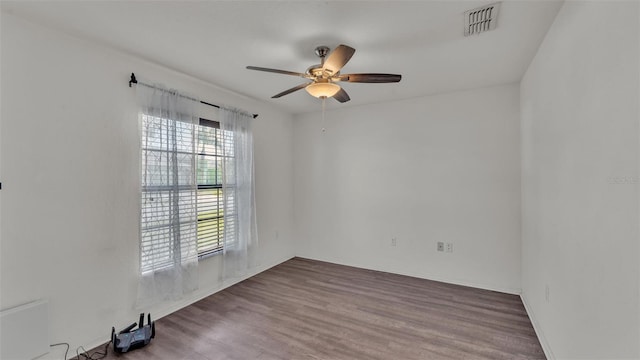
127	340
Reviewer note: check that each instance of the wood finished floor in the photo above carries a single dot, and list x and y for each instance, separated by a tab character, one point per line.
305	309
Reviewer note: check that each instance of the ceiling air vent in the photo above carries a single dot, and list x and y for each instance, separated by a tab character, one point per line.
481	19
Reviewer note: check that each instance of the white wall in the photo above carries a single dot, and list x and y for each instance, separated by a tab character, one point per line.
579	103
70	180
436	168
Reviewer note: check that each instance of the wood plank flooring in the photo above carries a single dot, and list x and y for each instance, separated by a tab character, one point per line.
306	309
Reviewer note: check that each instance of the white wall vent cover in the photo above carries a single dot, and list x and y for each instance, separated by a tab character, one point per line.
481	19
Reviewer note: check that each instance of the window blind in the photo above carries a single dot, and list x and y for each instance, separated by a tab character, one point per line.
213	156
205	216
167	145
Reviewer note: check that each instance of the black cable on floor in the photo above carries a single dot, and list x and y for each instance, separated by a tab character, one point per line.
97	355
66	351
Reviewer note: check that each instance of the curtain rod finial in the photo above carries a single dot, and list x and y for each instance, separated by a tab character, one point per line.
133	79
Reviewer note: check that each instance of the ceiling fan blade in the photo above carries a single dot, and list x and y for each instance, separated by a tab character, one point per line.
342	96
338	58
289	91
285	72
371	78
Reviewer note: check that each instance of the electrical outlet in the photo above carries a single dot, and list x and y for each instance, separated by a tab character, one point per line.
394	242
440	246
449	247
546	292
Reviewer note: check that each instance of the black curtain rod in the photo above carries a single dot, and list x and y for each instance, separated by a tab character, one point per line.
133	80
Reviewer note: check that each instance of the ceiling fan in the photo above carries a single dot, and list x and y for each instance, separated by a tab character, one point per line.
325	76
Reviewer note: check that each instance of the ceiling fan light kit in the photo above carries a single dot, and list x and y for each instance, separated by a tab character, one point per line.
325	75
322	89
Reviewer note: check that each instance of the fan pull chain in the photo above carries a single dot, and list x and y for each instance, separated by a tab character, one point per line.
324	99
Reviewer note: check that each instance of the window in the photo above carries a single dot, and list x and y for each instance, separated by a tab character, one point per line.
201	210
214	150
167	184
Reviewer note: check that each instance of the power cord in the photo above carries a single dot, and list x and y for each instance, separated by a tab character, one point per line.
66	351
97	355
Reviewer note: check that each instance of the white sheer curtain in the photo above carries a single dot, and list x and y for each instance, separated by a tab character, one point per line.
168	224
240	235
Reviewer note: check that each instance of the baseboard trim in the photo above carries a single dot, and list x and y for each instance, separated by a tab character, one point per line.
512	291
536	327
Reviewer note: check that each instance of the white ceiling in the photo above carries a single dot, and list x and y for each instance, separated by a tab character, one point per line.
215	40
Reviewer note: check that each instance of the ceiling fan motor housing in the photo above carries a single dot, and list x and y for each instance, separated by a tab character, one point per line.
316	71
